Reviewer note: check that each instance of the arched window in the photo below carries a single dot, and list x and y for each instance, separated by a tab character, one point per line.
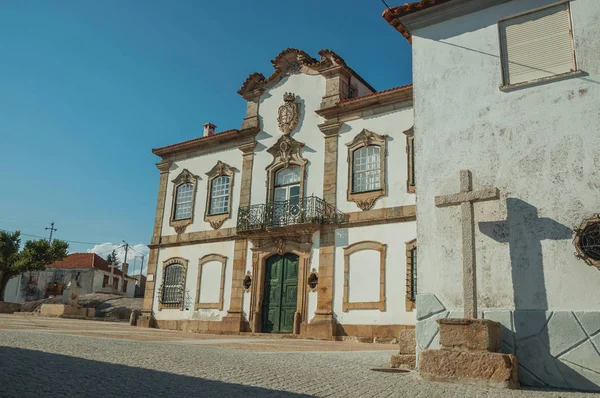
172	289
366	169
183	202
219	195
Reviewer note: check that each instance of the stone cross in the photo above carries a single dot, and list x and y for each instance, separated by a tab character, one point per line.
465	199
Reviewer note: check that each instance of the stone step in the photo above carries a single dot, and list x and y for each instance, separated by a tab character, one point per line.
486	369
402	361
407	341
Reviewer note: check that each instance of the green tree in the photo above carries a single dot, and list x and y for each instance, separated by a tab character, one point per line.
113	259
36	254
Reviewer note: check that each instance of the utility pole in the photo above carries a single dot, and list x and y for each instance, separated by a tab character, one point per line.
52	229
126	249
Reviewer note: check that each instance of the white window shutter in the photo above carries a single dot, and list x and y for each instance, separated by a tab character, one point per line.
537	45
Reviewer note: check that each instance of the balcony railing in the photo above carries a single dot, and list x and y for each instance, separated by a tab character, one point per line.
309	210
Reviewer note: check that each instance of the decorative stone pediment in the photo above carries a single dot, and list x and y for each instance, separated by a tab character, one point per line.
286	152
185	177
366	138
219	170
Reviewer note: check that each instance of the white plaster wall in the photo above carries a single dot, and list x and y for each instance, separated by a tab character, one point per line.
311	301
130	288
210	282
98	279
364	276
309	90
193	253
200	164
394	236
13	294
393	124
538	145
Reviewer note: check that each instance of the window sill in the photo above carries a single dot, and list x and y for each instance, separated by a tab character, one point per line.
544	80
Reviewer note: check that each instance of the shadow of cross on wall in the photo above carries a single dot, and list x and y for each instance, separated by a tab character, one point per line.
524	230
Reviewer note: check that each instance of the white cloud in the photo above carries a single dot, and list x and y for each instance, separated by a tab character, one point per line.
134	255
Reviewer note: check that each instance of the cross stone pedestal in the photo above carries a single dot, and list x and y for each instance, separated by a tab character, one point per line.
468	355
469	347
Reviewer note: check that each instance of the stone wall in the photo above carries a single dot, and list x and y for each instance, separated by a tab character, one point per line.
554	348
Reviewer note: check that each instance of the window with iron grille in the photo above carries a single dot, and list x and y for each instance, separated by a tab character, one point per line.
172	289
183	201
366	169
411	275
219	195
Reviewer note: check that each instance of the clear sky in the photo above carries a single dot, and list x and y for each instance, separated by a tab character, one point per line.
88	88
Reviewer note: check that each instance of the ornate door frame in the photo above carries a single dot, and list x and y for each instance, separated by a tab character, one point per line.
262	250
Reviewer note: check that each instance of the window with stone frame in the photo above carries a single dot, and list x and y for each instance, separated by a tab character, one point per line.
366	168
184	198
183	202
411	275
219	194
410	163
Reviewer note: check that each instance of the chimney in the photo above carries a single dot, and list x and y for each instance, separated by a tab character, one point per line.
209	129
125	268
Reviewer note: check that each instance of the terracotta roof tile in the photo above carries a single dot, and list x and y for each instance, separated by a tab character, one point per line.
84	260
392	14
389	90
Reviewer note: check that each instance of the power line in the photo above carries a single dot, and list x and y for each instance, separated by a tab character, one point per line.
65	240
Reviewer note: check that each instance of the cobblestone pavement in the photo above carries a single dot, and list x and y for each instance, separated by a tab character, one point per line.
57	358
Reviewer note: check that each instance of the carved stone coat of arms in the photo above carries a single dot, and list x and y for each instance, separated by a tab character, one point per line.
289	113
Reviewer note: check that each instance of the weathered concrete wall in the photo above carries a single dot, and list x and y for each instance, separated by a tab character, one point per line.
20	289
539	146
9	308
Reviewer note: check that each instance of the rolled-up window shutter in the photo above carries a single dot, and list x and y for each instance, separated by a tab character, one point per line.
537	45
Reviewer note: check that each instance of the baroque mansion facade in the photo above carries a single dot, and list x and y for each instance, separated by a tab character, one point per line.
301	222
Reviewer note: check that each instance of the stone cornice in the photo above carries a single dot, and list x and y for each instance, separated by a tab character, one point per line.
355	219
330	128
403	94
164	165
229	136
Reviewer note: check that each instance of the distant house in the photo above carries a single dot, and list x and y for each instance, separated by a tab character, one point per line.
91	273
140	287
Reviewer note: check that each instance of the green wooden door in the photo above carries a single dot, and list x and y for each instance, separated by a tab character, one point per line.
281	293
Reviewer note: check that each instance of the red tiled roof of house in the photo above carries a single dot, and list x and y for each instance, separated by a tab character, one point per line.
84	260
389	90
392	14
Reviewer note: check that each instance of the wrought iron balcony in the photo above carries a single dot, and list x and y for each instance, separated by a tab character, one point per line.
310	211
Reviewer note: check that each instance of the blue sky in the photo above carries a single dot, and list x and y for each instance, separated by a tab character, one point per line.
88	88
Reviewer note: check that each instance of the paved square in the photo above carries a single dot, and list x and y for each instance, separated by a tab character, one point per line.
54	357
